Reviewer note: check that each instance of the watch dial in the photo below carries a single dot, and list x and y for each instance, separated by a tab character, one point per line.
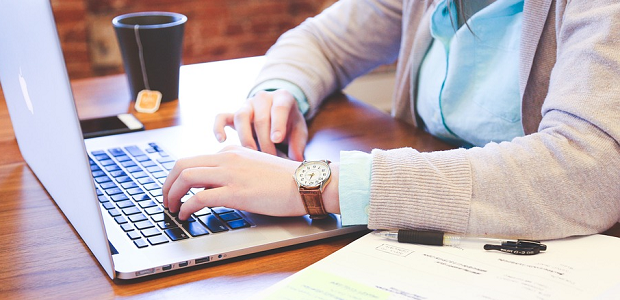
312	174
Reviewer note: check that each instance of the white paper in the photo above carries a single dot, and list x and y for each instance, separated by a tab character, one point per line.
376	268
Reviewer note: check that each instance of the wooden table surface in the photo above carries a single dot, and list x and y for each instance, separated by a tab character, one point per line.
41	255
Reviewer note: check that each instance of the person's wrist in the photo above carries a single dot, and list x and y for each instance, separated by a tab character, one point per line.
330	193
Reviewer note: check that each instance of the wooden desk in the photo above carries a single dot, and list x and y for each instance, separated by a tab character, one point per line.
41	256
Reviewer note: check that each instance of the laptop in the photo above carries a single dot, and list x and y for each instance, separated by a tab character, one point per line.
109	188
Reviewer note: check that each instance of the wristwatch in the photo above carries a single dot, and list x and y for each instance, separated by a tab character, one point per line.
311	178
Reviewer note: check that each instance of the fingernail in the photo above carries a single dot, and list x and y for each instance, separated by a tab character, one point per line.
276	136
219	137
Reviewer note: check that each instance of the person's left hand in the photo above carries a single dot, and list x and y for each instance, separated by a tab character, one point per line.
237	178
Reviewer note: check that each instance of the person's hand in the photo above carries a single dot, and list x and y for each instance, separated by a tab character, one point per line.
267	119
238	178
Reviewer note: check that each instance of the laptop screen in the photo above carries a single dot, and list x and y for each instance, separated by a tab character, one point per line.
40	103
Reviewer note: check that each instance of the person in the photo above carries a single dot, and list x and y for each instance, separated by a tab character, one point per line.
527	90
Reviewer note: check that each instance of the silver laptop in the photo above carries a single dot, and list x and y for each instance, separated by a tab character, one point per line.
109	188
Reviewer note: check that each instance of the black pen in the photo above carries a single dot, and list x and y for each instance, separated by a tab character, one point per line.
438	238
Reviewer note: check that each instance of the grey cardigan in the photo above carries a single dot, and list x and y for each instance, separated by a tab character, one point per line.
561	179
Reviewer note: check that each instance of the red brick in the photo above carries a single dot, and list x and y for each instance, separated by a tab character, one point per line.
216	29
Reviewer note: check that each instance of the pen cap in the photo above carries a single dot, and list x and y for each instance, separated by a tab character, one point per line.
434	238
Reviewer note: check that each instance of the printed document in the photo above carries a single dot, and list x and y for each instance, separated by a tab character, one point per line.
375	268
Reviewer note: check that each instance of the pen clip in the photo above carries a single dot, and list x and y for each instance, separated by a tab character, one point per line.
520	247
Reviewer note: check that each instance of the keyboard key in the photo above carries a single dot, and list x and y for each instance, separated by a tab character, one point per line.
230	216
120	220
103	159
195	229
150	232
158	217
107	162
97	152
122	158
103	199
134	150
125	204
118	173
221	209
190	219
162	160
141	197
139	174
176	234
142	158
160	174
131	211
148	163
151	186
113	191
137	218
134	169
123	179
202	212
213	223
236	224
145	180
112	168
108	205
140	243
98	173
168	165
144	224
128	164
158	239
102	179
166	222
107	185
135	191
185	198
127	227
116	152
120	197
150	204
134	235
153	169
114	212
129	185
156	193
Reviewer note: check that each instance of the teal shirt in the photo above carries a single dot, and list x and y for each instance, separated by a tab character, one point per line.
468	89
468	93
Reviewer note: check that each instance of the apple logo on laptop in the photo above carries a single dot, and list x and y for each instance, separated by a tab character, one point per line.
22	83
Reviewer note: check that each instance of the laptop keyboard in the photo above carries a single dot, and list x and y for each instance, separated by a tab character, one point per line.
129	181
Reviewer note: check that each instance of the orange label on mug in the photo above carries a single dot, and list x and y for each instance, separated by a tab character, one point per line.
148	101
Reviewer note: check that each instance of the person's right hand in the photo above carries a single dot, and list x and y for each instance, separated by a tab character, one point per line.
267	119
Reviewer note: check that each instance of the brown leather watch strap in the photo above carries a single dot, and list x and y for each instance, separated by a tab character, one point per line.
313	202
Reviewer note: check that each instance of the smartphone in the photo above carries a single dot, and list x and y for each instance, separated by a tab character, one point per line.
122	123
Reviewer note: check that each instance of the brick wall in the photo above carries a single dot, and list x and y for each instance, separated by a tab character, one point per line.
216	29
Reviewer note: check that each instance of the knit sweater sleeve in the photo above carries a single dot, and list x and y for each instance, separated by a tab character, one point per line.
325	53
560	181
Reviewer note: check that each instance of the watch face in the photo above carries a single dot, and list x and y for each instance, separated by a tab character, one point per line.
312	173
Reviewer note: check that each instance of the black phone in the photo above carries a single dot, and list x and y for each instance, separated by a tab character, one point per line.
122	123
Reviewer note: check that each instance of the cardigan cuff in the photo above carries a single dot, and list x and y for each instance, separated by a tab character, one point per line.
416	190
